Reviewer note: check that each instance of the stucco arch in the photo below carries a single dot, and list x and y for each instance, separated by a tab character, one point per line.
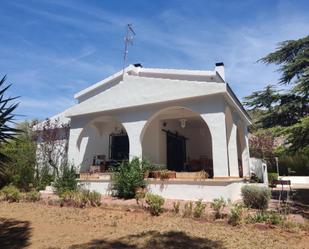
94	139
197	132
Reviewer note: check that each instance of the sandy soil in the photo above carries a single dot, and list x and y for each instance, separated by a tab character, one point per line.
34	225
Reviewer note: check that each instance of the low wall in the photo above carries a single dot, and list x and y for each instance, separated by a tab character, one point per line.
181	190
296	179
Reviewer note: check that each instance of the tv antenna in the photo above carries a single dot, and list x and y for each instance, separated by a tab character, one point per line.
128	40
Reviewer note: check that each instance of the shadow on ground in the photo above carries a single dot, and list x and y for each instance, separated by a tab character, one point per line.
14	233
299	198
154	240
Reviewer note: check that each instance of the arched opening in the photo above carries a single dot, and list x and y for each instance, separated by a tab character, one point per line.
179	139
240	150
102	143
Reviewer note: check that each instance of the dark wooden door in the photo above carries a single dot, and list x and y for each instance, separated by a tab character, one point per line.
119	147
176	151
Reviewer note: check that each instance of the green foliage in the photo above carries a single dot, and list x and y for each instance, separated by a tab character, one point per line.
176	207
295	164
81	198
199	209
298	135
264	99
268	217
188	208
292	55
218	205
32	196
140	194
236	214
20	169
44	178
155	203
7	131
288	110
256	196
128	177
66	180
11	193
272	177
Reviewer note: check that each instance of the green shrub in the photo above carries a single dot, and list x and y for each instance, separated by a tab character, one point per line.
32	196
199	209
218	205
176	207
155	203
256	196
236	214
67	180
268	217
11	193
94	198
44	178
188	208
140	194
81	198
297	164
272	177
128	177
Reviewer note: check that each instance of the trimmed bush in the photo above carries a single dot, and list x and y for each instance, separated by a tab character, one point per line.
11	193
236	214
155	203
128	177
256	196
218	205
32	196
272	177
199	209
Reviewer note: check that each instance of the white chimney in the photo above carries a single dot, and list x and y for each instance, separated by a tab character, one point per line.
220	69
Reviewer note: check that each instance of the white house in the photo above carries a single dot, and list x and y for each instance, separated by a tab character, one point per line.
187	120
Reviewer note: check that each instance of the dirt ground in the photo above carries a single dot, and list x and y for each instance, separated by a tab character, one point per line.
35	225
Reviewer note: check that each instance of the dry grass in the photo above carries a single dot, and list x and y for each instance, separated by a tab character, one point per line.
34	225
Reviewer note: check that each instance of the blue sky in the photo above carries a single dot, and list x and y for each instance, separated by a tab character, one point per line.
52	49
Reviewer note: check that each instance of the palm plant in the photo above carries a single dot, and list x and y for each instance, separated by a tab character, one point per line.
7	132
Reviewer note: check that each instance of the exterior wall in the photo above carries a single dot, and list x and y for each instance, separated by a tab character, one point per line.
135	121
296	179
193	191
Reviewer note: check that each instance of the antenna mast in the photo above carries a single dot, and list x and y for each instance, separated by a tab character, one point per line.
128	40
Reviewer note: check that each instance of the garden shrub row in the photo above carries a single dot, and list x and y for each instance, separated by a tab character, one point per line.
81	198
12	194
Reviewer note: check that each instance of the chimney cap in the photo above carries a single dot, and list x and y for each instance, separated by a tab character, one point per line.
137	65
218	64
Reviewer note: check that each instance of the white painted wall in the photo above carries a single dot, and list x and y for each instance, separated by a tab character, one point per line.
193	191
135	121
296	179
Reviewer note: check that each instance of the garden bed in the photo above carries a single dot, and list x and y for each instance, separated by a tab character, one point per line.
43	226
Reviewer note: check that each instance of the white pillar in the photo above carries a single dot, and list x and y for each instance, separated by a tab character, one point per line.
217	127
76	128
134	129
232	152
245	154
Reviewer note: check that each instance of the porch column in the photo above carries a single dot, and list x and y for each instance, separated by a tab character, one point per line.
246	154
134	130
76	127
232	152
217	127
